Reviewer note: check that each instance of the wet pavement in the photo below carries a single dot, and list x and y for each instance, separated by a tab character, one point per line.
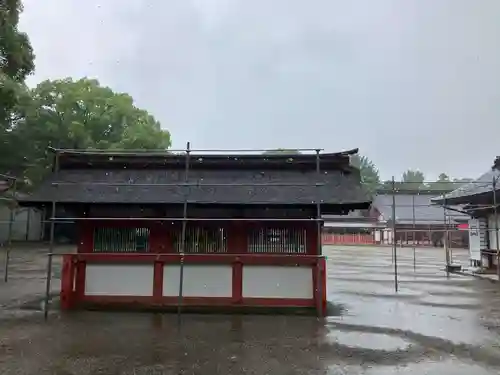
434	324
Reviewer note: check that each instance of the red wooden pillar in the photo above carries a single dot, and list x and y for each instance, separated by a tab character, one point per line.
158	244
312	238
319	281
67	282
158	281
162	241
237	237
155	238
85	245
237	242
86	237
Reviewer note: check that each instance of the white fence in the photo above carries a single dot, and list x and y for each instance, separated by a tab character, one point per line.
26	224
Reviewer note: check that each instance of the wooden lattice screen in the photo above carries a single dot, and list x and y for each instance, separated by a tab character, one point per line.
201	240
277	240
121	240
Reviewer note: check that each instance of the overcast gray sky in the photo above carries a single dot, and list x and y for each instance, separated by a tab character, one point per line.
413	84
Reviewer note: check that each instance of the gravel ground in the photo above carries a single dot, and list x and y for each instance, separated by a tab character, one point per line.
434	324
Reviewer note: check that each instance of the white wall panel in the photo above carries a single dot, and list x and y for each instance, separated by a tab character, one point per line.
277	282
119	280
198	280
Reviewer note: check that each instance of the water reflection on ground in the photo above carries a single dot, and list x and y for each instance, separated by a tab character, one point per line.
433	325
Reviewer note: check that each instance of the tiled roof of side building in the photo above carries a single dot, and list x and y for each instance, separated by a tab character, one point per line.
482	185
426	213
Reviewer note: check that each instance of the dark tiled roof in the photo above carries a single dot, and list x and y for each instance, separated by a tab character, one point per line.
71	159
482	185
425	211
93	183
141	186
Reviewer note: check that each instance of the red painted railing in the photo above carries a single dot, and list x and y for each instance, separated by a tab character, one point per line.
348	239
74	275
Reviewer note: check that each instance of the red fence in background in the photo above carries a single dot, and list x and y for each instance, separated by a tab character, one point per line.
348	239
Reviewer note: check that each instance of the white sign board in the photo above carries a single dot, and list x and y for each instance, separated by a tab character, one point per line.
474	240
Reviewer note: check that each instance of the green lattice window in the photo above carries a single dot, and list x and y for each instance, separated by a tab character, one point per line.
121	240
277	240
201	240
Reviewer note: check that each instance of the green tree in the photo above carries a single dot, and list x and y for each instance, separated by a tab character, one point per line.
386	185
82	114
443	183
413	179
16	63
16	59
370	176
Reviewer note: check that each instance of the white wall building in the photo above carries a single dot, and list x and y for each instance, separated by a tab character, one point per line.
478	199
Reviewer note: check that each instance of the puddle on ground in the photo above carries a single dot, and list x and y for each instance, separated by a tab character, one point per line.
38	303
450	302
451	366
335	309
380	293
363	340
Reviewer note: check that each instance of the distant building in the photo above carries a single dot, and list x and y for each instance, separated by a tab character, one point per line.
418	220
357	227
477	199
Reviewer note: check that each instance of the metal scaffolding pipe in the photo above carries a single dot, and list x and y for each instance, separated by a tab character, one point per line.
445	238
495	217
51	246
131	184
318	229
170	152
413	237
183	235
9	234
394	243
425	205
8	177
178	219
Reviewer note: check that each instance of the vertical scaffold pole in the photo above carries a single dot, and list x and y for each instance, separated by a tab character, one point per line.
318	232
394	243
318	203
414	232
48	280
9	234
183	233
495	218
445	238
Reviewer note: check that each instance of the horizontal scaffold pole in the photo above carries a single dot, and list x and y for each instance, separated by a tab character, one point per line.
184	184
177	219
8	177
168	152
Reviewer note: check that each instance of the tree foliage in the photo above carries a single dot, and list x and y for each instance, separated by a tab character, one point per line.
443	183
413	179
79	114
16	61
370	176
